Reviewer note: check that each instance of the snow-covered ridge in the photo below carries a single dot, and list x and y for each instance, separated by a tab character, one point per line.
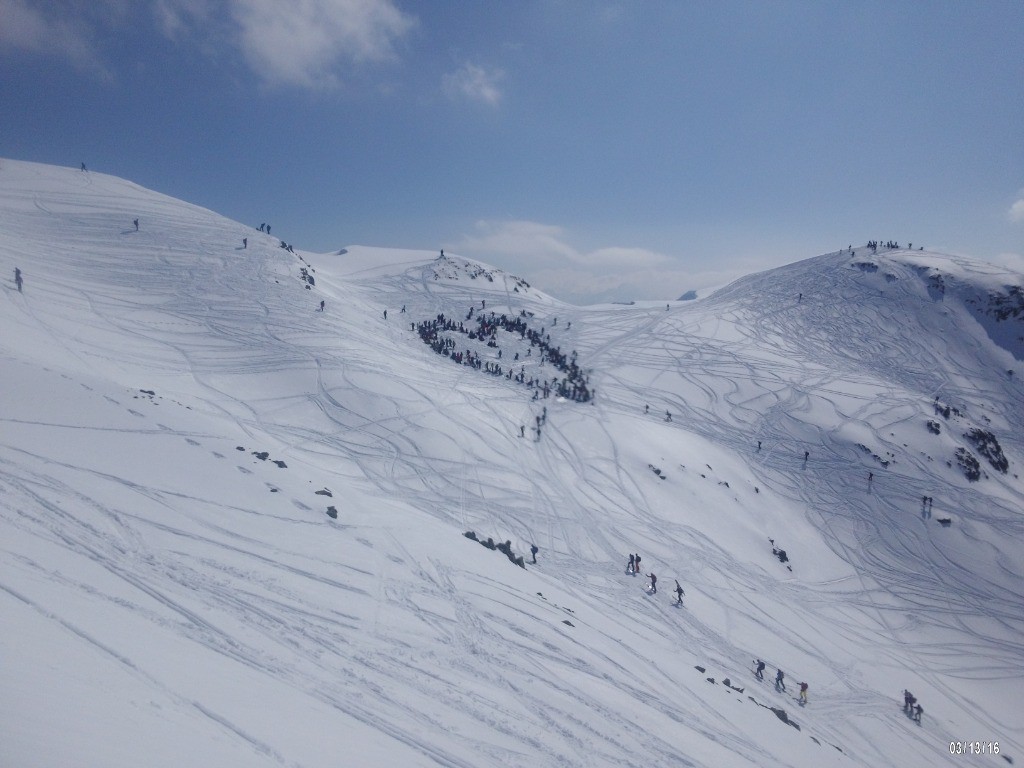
232	526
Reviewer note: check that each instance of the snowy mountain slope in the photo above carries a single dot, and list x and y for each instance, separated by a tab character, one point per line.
169	591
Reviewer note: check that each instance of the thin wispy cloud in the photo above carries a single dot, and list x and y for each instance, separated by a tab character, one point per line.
308	45
519	238
1014	261
608	273
543	242
50	31
312	44
474	83
1016	212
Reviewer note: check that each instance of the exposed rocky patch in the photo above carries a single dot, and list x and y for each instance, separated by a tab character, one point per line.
987	445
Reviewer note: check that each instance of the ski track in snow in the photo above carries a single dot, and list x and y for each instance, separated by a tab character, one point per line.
432	646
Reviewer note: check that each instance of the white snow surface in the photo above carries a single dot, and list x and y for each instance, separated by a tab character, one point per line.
169	598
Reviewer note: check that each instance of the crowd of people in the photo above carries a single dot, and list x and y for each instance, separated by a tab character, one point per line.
892	245
572	385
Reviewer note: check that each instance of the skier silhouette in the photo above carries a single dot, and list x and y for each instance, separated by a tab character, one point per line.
654	583
679	593
780	684
760	670
17	278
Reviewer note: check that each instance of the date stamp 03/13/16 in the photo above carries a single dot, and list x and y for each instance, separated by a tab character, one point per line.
974	747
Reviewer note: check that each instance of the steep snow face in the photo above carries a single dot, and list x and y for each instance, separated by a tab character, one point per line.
231	525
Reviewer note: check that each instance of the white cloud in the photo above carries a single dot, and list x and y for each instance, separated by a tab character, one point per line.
67	35
475	83
624	257
175	17
524	239
1016	212
543	254
308	43
1013	261
304	44
531	239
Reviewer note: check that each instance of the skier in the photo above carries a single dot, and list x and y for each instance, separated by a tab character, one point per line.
646	408
760	670
654	583
631	567
385	314
83	166
679	593
908	703
917	714
245	242
806	454
636	564
803	693
17	278
780	684
136	222
321	305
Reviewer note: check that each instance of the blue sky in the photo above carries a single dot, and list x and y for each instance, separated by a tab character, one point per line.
601	150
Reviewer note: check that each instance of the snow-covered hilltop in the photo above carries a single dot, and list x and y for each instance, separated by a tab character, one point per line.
233	527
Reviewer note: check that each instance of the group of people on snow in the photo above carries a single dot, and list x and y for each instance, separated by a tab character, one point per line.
911	707
574	385
633	568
